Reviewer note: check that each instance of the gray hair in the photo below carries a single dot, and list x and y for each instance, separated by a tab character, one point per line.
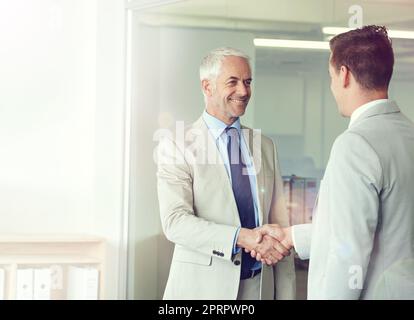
211	63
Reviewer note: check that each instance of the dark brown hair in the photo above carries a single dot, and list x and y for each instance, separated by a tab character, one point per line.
367	53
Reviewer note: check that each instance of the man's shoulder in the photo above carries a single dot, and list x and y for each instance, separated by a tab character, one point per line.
180	130
354	143
258	132
373	130
381	125
267	141
349	137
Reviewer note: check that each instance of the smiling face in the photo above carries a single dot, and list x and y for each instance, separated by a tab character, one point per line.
228	98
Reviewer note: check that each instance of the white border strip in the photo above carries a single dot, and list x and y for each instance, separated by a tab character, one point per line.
123	248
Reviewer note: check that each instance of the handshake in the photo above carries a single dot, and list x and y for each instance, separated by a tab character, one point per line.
269	243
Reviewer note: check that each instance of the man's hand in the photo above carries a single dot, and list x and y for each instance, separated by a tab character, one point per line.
268	251
282	235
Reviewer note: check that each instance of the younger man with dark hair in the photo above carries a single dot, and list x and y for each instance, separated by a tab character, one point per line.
361	241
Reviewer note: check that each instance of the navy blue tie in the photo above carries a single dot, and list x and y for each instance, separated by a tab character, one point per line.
242	194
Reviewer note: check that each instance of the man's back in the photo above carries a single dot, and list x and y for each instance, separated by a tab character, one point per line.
363	229
391	136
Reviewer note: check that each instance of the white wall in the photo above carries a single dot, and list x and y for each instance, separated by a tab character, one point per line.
61	113
144	226
109	139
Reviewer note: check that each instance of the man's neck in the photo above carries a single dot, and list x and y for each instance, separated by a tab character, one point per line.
227	120
365	97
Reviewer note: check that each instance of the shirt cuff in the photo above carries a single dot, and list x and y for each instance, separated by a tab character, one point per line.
236	249
292	233
302	238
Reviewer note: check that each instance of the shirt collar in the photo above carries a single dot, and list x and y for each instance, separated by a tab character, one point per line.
216	126
360	110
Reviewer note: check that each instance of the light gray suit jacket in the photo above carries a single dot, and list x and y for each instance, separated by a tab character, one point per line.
361	241
199	214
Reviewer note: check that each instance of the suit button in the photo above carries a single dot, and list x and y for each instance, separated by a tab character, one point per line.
236	262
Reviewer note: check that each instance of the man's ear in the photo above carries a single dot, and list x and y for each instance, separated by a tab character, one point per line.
345	76
207	87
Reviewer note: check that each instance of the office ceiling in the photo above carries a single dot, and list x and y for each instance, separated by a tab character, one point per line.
394	13
290	19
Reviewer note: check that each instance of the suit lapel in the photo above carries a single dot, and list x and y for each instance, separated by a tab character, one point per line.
255	150
214	164
209	148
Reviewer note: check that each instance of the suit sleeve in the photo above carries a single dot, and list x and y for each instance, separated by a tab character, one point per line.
178	219
354	180
284	271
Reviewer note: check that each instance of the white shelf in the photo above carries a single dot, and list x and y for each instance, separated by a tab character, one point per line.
51	238
32	251
52	259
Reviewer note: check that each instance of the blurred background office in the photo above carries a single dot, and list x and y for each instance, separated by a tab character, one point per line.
87	84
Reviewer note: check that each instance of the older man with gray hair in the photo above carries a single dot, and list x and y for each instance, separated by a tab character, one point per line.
223	184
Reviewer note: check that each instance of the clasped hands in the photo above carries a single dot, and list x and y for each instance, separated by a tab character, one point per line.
269	243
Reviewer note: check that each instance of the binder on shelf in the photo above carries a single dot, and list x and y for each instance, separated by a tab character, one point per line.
2	283
42	284
300	194
311	197
83	283
24	284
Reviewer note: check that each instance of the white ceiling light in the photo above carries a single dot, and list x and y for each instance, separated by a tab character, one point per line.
334	30
294	44
401	34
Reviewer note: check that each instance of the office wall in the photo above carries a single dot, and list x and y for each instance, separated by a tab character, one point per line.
298	110
402	92
61	122
61	113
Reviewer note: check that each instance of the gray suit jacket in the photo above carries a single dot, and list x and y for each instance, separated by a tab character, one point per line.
199	214
361	241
